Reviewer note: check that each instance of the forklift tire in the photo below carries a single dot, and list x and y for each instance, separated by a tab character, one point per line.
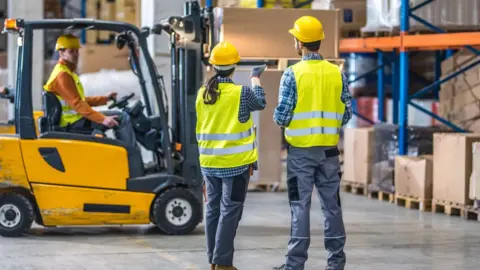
16	215
177	211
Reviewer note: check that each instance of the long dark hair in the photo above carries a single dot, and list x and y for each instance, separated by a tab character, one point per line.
212	93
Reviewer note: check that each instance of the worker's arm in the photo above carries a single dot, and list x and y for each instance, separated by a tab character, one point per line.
96	100
287	99
65	87
347	100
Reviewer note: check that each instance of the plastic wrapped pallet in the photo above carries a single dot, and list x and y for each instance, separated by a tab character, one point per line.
420	142
353	13
383	15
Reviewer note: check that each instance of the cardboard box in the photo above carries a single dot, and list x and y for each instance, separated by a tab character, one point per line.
452	166
358	155
129	11
93	8
3	60
94	58
474	193
269	136
107	13
414	176
263	33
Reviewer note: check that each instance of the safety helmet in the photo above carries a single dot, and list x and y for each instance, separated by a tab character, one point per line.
307	29
67	42
224	54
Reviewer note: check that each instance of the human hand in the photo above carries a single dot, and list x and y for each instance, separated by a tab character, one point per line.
112	95
110	121
257	71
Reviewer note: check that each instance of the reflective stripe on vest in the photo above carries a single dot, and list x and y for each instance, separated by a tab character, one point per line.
318	114
223	141
227	151
225	137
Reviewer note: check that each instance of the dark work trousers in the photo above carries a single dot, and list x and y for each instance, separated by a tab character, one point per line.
225	200
123	132
306	168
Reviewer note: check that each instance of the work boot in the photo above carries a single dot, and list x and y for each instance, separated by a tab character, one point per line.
212	266
223	267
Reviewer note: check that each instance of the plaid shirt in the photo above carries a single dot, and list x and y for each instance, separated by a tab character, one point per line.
251	99
287	99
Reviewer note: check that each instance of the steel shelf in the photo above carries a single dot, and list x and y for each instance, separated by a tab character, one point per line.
399	46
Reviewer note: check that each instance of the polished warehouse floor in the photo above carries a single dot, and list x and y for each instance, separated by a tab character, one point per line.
379	236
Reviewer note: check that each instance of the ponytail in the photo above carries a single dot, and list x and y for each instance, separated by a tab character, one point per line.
212	93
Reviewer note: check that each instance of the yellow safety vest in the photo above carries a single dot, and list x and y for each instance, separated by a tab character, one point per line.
69	115
317	117
223	141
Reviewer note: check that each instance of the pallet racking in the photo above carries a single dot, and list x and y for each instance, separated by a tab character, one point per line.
400	46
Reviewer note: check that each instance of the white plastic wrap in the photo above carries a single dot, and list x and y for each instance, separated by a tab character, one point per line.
105	81
385	14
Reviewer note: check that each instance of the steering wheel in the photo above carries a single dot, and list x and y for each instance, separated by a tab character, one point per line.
122	103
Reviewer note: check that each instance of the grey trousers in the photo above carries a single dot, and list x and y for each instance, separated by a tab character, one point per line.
123	132
225	200
306	168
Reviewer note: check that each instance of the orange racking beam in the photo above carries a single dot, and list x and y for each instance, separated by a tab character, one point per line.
419	42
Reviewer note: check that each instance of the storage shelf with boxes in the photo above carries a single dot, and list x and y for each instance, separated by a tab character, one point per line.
99	50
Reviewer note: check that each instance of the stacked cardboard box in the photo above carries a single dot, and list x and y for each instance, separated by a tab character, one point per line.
268	29
52	9
474	193
111	10
95	56
452	167
358	155
414	176
460	97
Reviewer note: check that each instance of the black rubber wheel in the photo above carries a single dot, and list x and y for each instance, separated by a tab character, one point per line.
177	211
16	215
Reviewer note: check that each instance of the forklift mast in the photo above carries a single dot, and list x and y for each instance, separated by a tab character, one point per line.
189	39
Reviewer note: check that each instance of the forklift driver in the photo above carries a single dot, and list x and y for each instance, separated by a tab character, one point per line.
77	113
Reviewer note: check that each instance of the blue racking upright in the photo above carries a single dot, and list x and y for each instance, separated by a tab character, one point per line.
403	44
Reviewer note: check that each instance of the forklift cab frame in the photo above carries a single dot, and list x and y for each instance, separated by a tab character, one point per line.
71	167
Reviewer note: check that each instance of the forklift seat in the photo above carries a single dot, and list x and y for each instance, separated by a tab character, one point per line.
52	111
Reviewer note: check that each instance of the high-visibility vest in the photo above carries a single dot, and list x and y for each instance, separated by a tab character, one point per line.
317	117
69	115
223	141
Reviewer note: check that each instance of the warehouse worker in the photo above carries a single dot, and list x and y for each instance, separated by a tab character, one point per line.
314	103
77	111
227	148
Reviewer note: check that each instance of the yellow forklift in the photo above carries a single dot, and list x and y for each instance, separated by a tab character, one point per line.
58	178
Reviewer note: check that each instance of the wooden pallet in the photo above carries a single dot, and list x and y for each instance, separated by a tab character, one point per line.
381	196
275	187
413	202
355	188
455	209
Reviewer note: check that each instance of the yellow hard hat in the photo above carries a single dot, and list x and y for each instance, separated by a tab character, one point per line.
307	29
67	42
224	54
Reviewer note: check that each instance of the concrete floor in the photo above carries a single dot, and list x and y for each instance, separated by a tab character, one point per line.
379	236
